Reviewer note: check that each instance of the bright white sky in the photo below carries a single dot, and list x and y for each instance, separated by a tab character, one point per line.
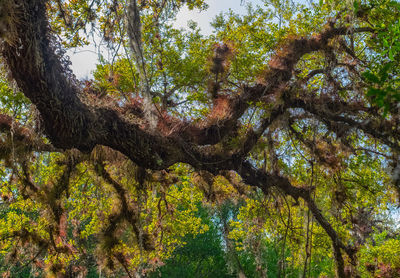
84	59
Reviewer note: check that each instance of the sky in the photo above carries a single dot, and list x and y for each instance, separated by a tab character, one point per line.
84	59
204	18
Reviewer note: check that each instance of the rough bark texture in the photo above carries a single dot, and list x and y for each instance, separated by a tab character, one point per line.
35	61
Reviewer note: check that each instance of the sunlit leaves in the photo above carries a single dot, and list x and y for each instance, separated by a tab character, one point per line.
98	209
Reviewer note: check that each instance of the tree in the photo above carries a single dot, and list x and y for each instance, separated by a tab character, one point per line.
278	103
201	256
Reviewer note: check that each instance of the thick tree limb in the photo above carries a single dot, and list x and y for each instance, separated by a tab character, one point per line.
36	64
276	79
264	181
70	123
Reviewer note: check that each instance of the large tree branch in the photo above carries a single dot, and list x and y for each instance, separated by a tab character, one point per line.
264	181
37	65
32	58
276	79
349	114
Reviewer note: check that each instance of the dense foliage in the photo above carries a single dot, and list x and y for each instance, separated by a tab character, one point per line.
269	148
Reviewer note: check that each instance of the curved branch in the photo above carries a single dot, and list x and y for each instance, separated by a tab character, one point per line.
40	73
36	63
281	67
264	181
331	111
127	212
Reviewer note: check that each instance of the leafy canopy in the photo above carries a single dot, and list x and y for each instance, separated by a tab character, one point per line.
269	148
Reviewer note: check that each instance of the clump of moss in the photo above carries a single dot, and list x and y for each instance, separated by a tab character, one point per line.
9	18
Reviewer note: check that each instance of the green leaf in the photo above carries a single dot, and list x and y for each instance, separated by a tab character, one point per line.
391	56
375	92
383	73
356	6
371	77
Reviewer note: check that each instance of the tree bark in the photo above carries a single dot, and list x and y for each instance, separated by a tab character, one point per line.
36	62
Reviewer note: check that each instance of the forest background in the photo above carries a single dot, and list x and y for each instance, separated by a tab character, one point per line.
268	148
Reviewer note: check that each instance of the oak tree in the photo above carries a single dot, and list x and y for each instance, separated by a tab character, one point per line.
292	108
